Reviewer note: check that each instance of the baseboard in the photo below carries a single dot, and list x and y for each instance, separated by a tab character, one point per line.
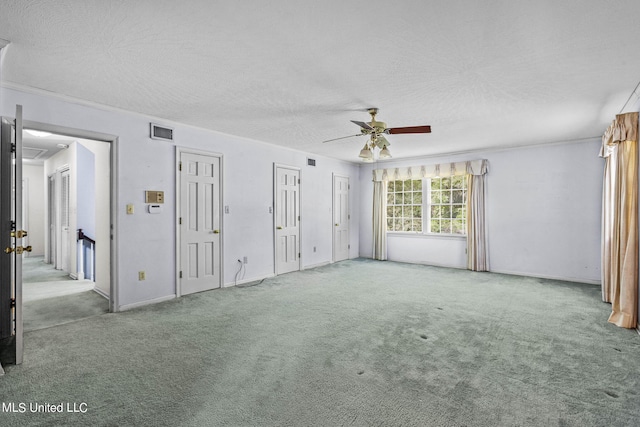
1	370
127	307
543	276
73	276
322	264
243	281
100	292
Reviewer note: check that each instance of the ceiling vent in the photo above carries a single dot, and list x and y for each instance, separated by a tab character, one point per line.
29	153
161	132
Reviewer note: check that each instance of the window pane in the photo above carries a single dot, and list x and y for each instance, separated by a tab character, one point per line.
446	183
456	196
397	224
417	225
407	185
398	185
390	198
457	181
435	226
445	226
446	196
391	186
417	211
436	196
417	185
397	211
435	183
446	211
407	212
458	211
389	224
417	198
457	226
389	212
436	212
406	225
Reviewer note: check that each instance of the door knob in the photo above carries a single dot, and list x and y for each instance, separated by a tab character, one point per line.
337	224
8	250
19	234
279	227
216	231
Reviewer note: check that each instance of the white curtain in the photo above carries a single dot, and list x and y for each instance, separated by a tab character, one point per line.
620	220
477	255
380	220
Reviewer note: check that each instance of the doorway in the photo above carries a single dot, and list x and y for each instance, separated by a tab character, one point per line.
67	276
287	218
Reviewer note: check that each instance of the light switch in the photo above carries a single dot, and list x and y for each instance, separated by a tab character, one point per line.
130	209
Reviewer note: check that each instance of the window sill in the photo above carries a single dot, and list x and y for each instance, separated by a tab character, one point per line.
426	235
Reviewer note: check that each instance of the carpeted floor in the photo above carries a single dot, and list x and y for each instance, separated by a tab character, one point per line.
357	343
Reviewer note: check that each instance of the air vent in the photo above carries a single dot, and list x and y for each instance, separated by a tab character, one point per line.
29	153
311	162
161	132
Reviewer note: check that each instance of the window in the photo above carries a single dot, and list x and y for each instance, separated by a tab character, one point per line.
435	205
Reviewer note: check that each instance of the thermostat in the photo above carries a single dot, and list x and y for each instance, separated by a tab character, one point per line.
154	209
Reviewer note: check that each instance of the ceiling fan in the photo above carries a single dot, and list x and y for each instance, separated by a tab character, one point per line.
377	130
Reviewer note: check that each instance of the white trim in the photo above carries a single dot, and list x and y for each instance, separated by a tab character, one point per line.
321	264
178	152
100	292
128	307
243	281
546	276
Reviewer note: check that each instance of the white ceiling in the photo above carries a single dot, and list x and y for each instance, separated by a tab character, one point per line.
290	72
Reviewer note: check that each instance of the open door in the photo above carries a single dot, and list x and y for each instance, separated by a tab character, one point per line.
11	237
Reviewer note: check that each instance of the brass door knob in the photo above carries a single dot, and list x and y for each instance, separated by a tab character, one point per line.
279	227
8	250
337	224
216	231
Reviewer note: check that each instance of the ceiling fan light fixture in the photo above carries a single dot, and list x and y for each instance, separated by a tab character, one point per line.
385	153
366	154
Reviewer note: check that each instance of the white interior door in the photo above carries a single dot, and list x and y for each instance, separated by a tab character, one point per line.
64	223
199	198
287	219
13	234
340	218
51	257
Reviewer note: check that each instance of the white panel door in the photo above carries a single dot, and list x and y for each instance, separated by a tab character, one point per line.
12	238
287	219
340	218
200	255
65	222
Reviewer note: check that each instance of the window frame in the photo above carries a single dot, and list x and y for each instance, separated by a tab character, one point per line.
426	210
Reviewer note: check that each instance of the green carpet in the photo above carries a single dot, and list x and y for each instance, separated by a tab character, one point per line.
356	343
45	313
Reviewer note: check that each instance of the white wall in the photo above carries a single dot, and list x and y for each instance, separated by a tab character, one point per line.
33	175
543	213
147	242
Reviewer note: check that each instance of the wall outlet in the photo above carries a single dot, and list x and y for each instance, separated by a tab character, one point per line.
244	260
142	275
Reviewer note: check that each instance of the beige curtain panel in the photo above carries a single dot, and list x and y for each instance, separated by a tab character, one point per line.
380	220
620	220
477	254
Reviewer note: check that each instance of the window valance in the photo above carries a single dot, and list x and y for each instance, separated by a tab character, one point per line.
471	167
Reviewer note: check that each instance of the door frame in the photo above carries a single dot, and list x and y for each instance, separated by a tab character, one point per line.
179	151
113	140
333	213
273	203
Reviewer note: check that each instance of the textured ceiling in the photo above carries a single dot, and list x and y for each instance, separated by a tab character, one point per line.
290	72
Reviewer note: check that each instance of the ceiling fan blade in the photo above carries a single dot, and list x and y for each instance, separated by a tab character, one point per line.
363	125
342	137
409	129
